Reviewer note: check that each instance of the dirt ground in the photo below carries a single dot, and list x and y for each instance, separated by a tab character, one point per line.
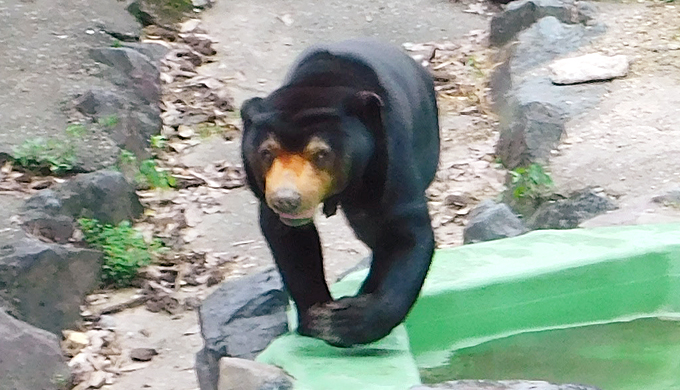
626	146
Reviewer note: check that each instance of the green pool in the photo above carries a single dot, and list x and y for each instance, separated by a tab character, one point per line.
633	355
490	294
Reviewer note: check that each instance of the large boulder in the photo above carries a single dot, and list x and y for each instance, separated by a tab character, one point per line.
45	284
31	358
535	131
532	110
240	319
132	69
519	15
103	195
571	212
128	110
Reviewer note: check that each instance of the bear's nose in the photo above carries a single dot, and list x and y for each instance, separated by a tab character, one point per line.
286	201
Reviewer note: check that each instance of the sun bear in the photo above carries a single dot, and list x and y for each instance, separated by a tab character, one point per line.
355	125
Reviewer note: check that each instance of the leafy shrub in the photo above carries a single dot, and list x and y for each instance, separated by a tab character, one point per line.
40	154
146	173
125	250
531	182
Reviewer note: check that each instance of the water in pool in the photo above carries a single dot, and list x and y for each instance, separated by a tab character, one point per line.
636	355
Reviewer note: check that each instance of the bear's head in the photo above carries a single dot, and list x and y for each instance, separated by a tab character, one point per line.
303	145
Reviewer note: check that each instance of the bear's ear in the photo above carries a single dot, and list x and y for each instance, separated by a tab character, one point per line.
249	109
368	107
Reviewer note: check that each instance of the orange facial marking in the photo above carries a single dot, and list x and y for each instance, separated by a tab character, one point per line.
297	172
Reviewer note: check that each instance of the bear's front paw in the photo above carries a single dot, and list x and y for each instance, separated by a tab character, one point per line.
345	322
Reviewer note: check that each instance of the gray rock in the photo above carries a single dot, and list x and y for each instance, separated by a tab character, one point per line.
155	51
134	103
103	195
569	213
207	365
519	15
31	358
54	227
100	102
531	109
135	121
589	67
501	385
45	284
239	320
546	40
143	354
491	221
132	70
671	198
242	374
535	129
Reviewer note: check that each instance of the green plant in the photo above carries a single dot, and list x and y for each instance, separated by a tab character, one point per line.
158	141
125	250
154	177
62	382
531	182
180	5
108	120
42	154
473	63
128	158
116	44
75	130
146	172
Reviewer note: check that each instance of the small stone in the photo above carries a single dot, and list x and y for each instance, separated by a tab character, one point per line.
107	322
287	19
74	342
192	303
97	380
189	25
590	67
185	131
457	199
143	354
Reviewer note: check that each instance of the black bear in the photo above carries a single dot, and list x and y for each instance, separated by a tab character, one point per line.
355	124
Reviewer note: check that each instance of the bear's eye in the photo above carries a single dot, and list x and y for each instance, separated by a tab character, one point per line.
266	156
321	157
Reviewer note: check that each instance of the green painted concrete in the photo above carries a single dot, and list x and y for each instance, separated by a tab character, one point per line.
544	279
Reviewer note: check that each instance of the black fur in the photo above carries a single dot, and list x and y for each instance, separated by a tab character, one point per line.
376	108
